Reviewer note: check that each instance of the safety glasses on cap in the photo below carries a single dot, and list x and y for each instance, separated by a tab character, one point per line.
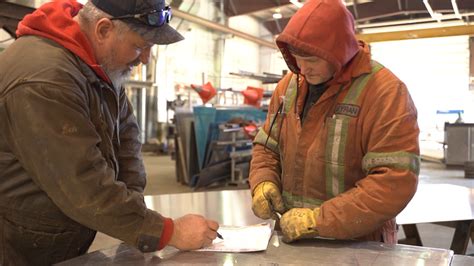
155	18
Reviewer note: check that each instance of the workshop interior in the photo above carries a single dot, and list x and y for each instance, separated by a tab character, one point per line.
201	102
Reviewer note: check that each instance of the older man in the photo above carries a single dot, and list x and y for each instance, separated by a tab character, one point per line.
70	159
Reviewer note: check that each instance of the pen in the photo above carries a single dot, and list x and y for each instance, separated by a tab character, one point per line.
219	236
277	217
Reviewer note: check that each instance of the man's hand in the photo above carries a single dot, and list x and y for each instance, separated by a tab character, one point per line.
193	232
299	223
266	200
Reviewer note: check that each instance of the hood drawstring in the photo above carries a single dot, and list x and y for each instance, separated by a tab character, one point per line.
280	109
282	112
297	89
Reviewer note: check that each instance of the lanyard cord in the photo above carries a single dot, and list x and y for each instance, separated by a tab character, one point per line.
279	111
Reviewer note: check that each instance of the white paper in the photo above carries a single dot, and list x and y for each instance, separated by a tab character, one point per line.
241	238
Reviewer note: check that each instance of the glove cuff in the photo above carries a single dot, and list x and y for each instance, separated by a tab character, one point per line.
316	212
261	184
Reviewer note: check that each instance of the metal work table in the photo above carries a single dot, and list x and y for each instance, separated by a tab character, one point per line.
462	261
444	204
315	251
233	208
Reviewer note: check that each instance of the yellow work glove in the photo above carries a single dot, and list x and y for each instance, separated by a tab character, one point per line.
299	223
267	200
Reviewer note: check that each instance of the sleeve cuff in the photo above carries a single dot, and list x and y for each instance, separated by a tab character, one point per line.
168	227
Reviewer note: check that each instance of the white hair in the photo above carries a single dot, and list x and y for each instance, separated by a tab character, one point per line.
90	14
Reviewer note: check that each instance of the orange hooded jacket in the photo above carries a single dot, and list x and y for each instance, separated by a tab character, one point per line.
356	156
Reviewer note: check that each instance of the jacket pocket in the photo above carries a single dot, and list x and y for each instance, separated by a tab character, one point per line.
339	142
339	135
36	243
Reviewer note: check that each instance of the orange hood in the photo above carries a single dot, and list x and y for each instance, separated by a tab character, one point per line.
324	28
54	20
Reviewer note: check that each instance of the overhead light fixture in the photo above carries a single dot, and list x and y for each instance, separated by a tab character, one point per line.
277	14
297	3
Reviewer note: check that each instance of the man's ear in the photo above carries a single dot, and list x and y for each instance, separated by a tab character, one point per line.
103	30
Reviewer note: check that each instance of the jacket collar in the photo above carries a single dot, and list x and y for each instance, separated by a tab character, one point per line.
54	20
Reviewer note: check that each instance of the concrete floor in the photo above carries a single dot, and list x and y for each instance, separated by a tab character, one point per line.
162	180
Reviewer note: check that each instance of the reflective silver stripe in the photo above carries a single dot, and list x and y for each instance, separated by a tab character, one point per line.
335	153
261	138
358	86
398	160
298	201
290	95
337	137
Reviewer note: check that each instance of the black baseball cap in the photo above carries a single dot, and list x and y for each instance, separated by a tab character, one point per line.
149	18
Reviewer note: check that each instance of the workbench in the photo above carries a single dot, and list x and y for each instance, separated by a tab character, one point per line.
459	260
443	204
232	207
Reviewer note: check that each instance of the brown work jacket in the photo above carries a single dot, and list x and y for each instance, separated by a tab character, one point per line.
69	153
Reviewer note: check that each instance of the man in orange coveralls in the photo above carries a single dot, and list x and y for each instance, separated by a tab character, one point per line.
338	155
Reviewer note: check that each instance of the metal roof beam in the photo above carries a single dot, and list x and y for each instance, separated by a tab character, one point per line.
417	34
224	29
